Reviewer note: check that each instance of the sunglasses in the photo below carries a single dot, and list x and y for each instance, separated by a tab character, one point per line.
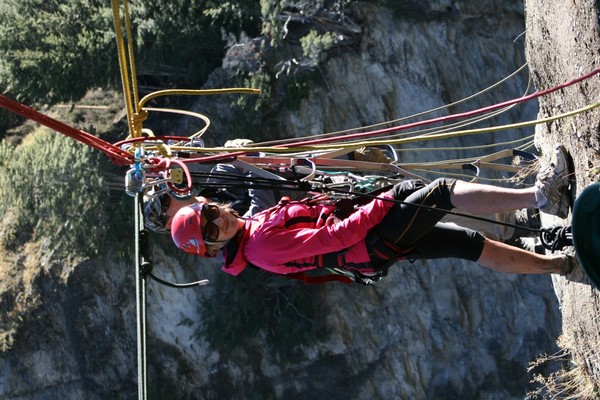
210	230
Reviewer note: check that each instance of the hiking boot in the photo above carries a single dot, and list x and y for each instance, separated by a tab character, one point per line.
553	183
527	225
528	222
572	271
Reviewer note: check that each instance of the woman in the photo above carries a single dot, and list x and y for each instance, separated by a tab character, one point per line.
295	237
161	205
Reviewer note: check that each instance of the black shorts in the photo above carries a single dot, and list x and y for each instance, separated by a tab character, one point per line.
415	232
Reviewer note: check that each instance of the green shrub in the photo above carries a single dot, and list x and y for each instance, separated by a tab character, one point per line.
53	188
315	45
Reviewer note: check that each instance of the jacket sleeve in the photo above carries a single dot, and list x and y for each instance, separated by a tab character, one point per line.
274	244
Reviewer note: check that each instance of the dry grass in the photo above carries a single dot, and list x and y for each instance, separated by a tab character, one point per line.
572	381
528	168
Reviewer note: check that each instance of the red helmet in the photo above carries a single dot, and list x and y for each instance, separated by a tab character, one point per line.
186	230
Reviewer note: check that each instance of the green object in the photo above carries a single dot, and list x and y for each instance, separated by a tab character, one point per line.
585	227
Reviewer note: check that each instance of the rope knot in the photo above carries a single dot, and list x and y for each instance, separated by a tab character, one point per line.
137	120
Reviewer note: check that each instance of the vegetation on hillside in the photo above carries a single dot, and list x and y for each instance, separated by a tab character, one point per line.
52	189
56	50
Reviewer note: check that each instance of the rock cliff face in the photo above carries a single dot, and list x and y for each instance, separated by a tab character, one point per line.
564	42
442	329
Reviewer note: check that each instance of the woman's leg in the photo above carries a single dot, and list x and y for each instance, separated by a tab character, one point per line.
504	258
478	198
550	192
409	222
419	212
445	240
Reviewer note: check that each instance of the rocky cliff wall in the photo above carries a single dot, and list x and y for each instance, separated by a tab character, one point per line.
440	329
564	42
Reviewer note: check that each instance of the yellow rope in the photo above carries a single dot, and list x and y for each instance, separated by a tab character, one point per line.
467	122
204	118
132	69
483	146
467	132
448	135
395	121
195	92
123	65
136	117
191	92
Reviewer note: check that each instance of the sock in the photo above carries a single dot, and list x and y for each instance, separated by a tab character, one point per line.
540	199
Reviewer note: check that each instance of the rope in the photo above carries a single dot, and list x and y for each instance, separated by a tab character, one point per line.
125	73
347	148
202	117
303	146
470	121
131	57
195	92
556	237
528	138
189	92
459	115
116	154
469	131
135	117
443	118
446	106
141	247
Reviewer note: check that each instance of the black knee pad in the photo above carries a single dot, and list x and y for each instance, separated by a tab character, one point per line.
404	189
441	188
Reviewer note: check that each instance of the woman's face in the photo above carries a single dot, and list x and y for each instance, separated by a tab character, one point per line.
228	225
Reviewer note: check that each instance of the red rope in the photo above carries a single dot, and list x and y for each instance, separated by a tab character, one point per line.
121	157
454	116
410	125
117	155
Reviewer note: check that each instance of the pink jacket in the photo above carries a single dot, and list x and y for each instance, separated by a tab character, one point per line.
291	238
